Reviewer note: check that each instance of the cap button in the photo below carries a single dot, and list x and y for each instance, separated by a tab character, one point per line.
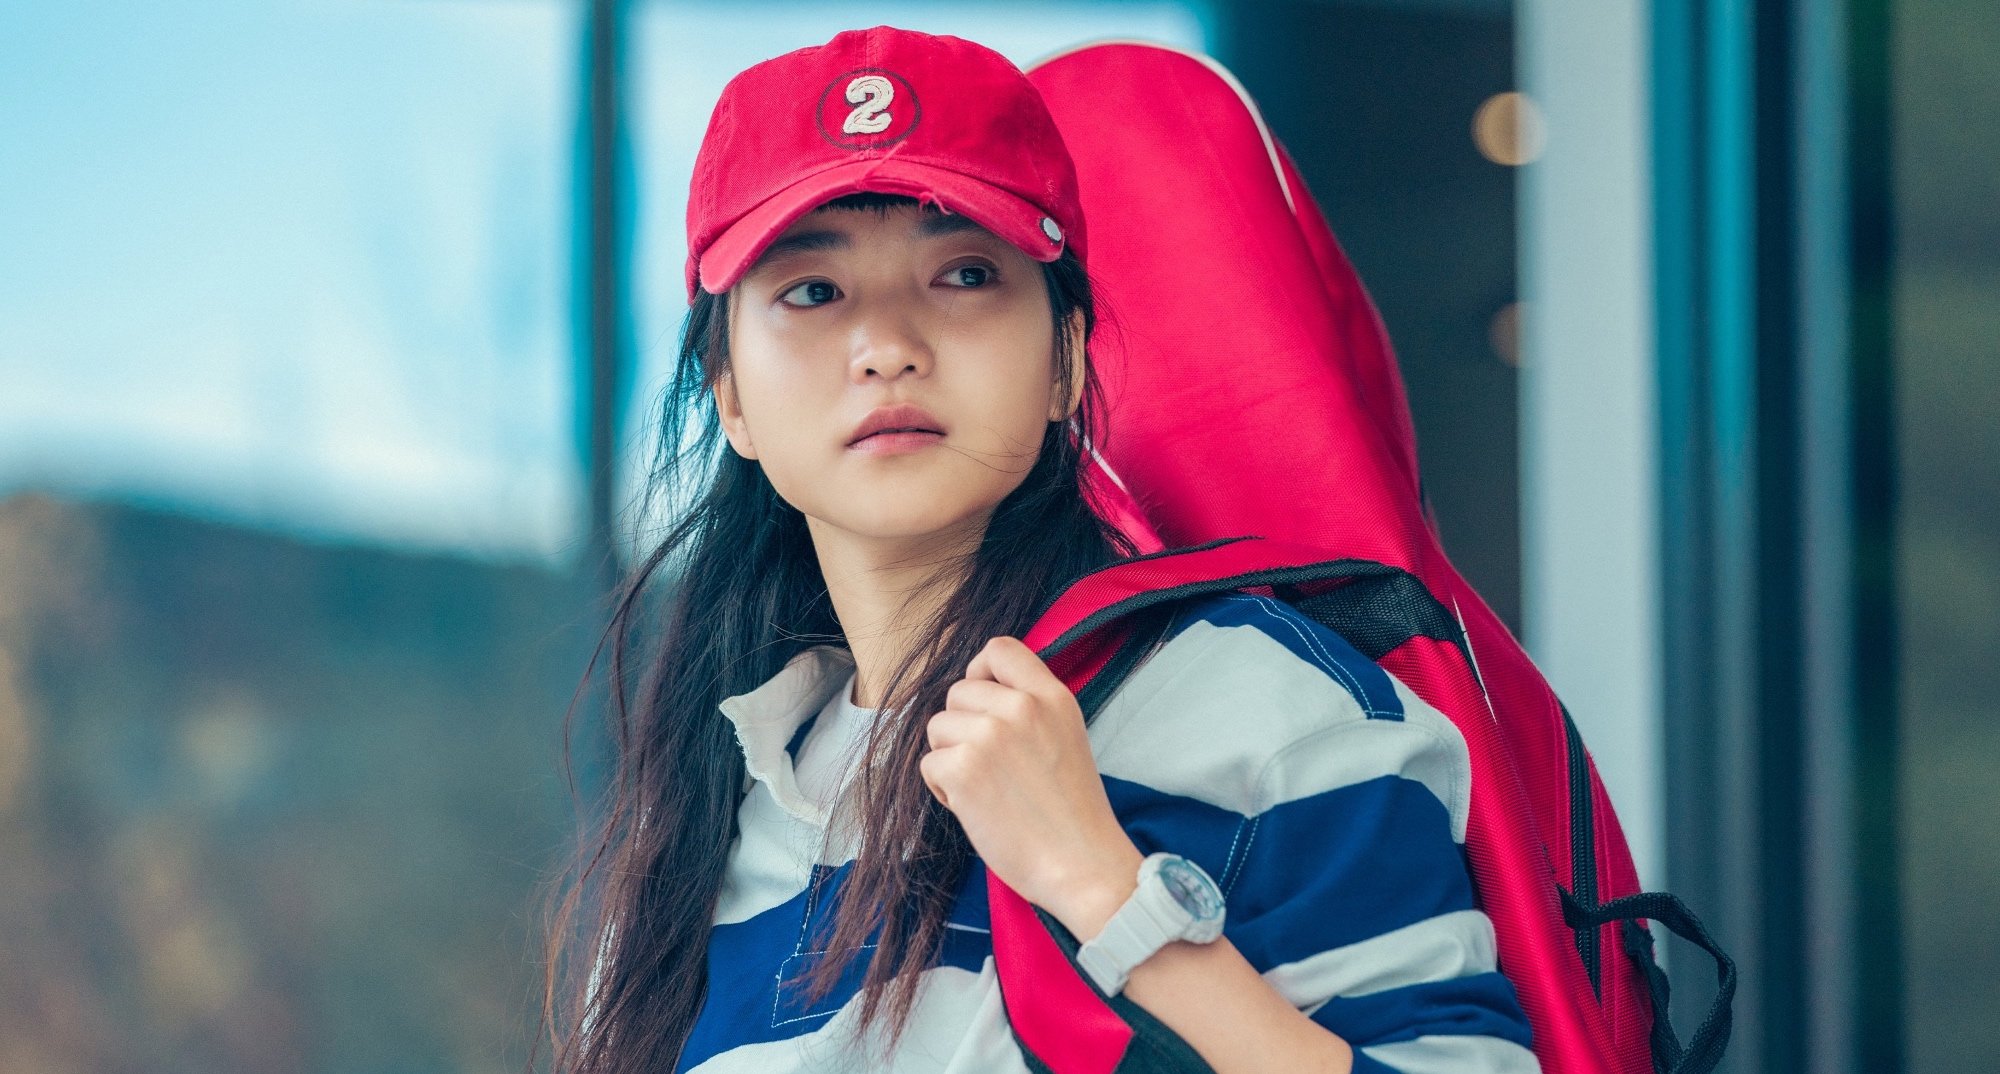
1052	229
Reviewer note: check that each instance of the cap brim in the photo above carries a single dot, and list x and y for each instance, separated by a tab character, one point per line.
1007	215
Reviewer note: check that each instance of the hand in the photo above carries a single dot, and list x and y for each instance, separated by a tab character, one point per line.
1010	758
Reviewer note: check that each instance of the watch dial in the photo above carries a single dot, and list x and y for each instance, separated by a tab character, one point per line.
1191	888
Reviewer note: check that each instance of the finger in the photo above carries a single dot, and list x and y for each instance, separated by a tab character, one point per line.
978	695
980	670
1009	662
956	727
933	766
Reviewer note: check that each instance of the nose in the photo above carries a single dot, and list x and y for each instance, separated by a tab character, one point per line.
886	346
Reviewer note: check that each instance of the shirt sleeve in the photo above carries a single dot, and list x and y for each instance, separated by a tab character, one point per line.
1330	803
1351	895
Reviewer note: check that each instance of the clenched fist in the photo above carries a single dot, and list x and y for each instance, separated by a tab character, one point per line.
1011	760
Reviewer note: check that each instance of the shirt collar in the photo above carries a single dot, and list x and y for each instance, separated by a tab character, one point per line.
767	717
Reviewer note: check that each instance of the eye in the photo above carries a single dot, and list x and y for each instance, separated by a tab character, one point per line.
809	294
970	276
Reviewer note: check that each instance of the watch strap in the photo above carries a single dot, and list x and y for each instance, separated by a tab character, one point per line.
1149	920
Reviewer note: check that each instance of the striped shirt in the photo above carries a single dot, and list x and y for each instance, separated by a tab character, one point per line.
1327	800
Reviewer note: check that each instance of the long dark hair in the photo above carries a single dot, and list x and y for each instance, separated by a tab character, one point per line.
726	597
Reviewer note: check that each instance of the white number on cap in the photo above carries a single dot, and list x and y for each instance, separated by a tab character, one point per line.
870	96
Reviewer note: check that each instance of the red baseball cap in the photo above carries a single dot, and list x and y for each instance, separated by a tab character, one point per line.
884	110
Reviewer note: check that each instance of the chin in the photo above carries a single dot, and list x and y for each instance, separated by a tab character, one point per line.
919	521
906	516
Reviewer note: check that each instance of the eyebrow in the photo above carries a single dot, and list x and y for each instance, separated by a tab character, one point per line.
930	225
933	225
804	241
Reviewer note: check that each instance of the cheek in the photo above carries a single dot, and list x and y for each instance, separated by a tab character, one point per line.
773	368
1015	388
784	405
789	452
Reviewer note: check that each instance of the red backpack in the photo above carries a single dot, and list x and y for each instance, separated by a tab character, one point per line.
1252	390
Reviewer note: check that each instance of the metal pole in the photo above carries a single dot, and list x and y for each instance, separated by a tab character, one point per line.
604	272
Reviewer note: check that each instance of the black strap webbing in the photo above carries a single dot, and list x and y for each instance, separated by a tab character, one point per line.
1704	1050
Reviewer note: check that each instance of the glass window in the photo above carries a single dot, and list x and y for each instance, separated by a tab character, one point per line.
301	264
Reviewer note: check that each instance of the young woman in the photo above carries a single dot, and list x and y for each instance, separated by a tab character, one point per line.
1257	838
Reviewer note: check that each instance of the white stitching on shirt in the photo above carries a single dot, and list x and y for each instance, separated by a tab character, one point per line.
777	993
1332	666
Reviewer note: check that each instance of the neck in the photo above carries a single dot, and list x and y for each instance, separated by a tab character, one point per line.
884	591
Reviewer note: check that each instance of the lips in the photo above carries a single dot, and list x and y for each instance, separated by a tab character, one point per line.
903	417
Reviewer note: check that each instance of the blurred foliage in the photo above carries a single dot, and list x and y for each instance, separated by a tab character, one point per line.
1946	161
267	805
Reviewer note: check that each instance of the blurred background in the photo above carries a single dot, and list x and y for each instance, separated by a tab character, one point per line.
331	335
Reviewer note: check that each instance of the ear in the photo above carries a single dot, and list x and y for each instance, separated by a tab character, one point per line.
1065	397
731	410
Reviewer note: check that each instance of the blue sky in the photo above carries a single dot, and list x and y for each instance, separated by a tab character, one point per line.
304	265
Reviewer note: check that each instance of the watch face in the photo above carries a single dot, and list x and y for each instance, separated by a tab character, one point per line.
1191	888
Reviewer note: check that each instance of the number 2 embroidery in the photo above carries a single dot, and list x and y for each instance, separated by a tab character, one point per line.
870	95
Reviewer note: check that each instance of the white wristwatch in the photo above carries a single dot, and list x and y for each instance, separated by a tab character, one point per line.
1175	900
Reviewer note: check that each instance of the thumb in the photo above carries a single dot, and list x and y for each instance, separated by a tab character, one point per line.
926	767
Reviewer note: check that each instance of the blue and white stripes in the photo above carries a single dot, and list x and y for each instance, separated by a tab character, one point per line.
1327	800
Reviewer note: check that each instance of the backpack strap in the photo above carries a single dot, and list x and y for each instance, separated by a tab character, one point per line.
1092	636
1107	595
1704	1050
